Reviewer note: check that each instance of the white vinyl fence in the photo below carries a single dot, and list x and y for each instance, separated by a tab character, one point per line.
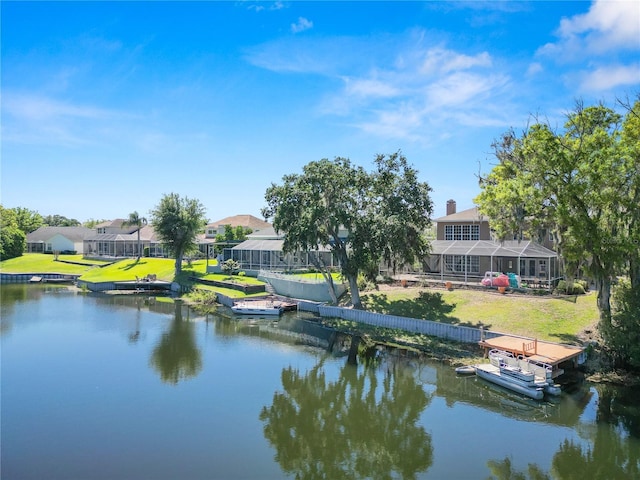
427	327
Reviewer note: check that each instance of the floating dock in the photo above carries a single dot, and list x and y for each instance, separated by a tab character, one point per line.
550	353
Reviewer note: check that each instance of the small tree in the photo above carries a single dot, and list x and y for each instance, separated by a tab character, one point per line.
240	233
230	267
177	221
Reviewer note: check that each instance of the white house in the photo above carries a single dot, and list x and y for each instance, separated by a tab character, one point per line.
57	239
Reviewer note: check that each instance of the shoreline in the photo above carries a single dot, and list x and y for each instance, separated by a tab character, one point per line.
451	352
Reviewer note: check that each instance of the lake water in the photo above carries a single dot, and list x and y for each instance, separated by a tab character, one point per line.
129	387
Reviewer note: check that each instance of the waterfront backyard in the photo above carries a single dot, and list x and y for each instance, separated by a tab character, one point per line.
565	319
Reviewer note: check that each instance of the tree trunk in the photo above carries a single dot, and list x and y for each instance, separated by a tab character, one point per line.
634	271
603	287
332	288
355	292
327	277
178	263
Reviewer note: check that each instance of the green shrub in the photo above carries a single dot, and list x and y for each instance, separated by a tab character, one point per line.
202	296
364	284
570	288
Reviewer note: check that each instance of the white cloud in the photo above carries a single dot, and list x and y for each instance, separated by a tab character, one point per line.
607	78
534	69
606	26
38	119
404	122
440	60
31	107
463	89
261	6
398	86
422	88
369	87
302	25
298	55
604	42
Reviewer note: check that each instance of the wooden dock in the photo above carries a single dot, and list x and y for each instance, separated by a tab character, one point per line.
546	352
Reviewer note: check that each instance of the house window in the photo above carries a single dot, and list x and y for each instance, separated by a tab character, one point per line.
456	263
462	232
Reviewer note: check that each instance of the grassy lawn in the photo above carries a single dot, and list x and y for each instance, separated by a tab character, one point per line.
553	318
122	270
44	263
131	268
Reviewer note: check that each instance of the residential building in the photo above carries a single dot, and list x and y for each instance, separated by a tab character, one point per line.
116	239
465	249
245	221
263	251
207	240
58	239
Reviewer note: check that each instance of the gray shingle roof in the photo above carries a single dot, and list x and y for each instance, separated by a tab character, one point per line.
74	234
247	221
469	215
146	233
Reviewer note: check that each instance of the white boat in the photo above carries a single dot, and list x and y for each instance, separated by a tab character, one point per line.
257	308
521	375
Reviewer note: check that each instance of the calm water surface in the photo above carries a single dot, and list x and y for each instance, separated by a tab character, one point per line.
98	387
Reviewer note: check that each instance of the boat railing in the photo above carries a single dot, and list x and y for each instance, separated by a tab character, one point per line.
502	359
540	368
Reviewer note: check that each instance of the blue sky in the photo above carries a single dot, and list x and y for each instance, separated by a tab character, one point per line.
107	106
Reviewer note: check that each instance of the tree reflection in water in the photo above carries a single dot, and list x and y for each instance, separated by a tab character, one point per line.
611	448
504	471
354	427
176	356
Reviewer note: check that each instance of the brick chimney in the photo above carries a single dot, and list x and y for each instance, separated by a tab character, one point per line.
451	207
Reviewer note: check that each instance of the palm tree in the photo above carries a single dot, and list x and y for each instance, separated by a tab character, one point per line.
138	221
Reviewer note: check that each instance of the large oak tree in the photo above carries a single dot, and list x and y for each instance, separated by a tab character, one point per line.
580	182
363	217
